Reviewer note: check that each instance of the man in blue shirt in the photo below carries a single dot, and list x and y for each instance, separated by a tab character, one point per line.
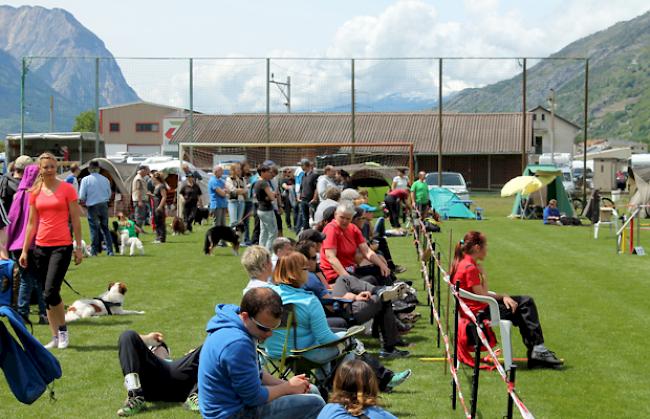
94	193
218	196
551	213
232	383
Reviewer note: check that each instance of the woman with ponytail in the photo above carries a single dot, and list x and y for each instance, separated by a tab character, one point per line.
521	310
52	203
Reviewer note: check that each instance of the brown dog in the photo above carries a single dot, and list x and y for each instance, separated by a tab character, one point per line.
178	226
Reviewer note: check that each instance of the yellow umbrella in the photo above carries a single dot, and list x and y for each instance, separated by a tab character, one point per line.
524	185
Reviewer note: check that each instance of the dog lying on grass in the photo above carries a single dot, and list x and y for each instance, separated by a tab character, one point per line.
107	304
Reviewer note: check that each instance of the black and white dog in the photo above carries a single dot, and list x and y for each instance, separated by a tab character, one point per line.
201	215
216	234
108	303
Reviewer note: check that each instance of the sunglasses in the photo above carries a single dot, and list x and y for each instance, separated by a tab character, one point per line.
263	328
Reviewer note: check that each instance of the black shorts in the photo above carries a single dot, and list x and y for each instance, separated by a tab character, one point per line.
51	266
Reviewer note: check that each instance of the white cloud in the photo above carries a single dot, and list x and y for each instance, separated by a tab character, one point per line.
409	28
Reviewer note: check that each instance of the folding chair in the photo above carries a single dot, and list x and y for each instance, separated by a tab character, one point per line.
505	326
607	216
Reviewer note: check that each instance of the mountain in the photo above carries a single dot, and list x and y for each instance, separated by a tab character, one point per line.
619	84
37	31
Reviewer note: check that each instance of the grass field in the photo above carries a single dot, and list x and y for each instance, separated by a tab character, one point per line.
593	305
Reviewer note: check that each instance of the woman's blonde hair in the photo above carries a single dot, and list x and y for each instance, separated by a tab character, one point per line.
355	387
289	270
38	183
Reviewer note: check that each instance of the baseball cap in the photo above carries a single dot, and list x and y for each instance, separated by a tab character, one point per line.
22	162
350	194
367	208
312	235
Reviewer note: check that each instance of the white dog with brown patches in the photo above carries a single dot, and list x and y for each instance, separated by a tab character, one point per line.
109	303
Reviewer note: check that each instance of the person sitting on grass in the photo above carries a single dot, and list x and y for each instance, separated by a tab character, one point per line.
149	374
355	394
551	213
232	383
521	310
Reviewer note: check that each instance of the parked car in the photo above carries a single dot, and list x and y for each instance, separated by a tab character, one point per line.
453	181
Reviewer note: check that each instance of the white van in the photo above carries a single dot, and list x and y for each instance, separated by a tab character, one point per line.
453	181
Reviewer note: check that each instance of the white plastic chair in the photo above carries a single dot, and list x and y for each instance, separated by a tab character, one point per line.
505	326
607	216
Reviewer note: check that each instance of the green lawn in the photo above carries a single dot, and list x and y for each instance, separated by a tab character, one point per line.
593	306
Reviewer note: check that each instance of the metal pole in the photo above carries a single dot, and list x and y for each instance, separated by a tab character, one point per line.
440	122
97	107
477	370
513	369
51	113
453	384
288	94
523	119
268	107
23	73
353	112
585	124
191	157
552	103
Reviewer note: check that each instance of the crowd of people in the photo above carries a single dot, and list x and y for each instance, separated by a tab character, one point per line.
338	273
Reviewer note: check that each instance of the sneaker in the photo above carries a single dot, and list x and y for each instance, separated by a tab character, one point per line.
393	292
42	319
399	269
399	378
192	403
544	359
395	353
402	307
64	339
132	406
54	343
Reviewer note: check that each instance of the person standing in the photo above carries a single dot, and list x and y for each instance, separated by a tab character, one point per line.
72	178
265	197
159	203
236	188
94	193
51	204
218	196
420	195
18	217
325	181
191	194
139	196
308	192
288	195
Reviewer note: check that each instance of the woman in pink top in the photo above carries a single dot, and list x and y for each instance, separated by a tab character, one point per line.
51	204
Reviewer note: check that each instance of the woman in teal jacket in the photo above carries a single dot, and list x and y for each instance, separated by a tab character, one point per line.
312	328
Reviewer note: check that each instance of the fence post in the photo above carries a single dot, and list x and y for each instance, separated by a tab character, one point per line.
453	384
437	283
513	367
23	74
477	369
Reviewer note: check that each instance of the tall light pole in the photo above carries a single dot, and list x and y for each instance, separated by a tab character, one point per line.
551	103
285	89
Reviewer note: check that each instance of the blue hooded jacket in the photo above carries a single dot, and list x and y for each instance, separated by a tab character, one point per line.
229	372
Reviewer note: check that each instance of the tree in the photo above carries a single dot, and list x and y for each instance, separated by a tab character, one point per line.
84	122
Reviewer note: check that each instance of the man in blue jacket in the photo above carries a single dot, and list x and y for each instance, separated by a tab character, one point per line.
231	381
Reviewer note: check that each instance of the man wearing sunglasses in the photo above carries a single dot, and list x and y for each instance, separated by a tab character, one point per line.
232	384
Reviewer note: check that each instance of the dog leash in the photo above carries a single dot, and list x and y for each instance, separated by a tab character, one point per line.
70	286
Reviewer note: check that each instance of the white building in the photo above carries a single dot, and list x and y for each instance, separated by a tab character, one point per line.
564	132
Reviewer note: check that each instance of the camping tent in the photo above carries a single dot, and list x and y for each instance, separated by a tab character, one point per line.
373	177
553	190
114	175
448	204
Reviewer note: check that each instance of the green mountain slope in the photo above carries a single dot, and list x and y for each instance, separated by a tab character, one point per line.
619	83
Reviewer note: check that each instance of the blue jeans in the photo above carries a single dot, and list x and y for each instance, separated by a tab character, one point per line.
28	284
248	213
304	214
235	210
295	406
98	223
268	228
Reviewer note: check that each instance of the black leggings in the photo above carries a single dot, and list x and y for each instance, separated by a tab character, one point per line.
160	380
51	266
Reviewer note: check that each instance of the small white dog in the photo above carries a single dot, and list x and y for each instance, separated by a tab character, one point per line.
131	242
109	303
85	250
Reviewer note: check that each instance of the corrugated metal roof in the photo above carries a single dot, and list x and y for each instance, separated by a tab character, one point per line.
481	133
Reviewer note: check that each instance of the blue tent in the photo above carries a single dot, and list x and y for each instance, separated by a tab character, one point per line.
448	204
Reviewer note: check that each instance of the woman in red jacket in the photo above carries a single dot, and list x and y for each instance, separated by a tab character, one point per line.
521	310
52	203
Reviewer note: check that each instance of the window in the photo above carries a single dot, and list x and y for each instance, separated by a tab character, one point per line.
114	127
146	127
534	117
539	145
543	117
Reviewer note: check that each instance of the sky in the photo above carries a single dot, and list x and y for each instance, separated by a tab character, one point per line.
335	29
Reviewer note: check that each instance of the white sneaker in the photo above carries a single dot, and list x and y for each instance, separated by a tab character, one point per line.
393	292
63	339
54	343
